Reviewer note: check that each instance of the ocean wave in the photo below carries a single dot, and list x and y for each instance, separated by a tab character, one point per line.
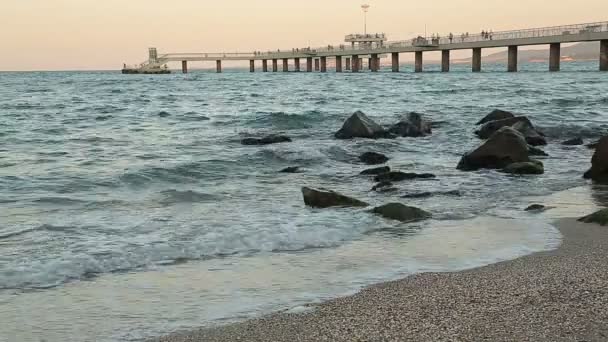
180	173
58	201
188	196
285	121
570	130
44	227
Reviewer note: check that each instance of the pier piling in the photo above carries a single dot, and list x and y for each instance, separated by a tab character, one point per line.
445	60
604	55
419	63
218	66
395	61
296	64
308	64
252	66
356	62
184	67
374	62
338	64
554	57
285	65
347	63
264	65
323	64
512	58
316	64
275	65
476	60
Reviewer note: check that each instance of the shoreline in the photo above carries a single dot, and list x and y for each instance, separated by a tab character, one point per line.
557	295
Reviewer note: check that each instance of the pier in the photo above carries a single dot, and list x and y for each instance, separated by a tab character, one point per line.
376	46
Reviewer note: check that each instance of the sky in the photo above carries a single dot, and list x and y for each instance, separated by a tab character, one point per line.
104	34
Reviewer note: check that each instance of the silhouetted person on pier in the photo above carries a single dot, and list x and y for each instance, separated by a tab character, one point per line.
451	37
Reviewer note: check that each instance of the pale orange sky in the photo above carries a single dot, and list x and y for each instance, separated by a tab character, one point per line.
102	34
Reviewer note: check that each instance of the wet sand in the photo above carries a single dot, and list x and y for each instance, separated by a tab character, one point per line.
560	295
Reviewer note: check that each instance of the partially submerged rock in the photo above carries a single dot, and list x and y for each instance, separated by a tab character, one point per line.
376	171
533	167
496	114
535	151
533	137
599	217
599	162
326	198
519	123
427	194
384	187
536	208
400	212
267	140
373	158
291	169
398	176
413	126
574	142
361	126
506	146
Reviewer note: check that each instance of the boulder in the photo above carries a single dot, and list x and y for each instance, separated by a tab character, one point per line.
533	137
360	126
400	212
291	169
413	126
376	171
520	123
535	151
599	162
536	208
373	158
496	114
267	140
533	167
398	176
573	142
384	187
599	217
506	146
592	145
326	198
164	114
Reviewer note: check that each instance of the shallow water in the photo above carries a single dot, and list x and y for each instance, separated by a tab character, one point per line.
130	197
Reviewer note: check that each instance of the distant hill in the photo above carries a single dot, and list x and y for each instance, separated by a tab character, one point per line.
578	52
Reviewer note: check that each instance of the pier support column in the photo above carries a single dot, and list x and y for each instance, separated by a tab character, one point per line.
185	67
347	63
265	65
323	64
476	60
395	61
308	64
296	62
338	63
275	65
375	62
369	63
419	62
604	55
355	62
512	67
252	66
445	60
555	56
316	64
218	66
285	65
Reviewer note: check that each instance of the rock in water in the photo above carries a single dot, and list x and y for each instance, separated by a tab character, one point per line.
507	146
376	171
534	151
373	158
360	126
326	198
533	167
384	187
400	212
536	207
164	114
533	137
291	169
398	176
574	142
412	126
267	140
496	114
599	217
520	123
599	162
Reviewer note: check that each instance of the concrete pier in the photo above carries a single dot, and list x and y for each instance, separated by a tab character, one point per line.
374	62
355	61
323	64
445	60
285	65
184	67
252	66
347	63
555	56
317	64
218	66
275	65
512	63
395	61
338	64
419	62
296	63
264	65
604	55
308	64
476	60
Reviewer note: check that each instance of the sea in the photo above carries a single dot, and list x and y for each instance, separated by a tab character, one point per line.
129	208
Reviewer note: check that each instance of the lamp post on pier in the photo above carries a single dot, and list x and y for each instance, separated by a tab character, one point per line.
365	8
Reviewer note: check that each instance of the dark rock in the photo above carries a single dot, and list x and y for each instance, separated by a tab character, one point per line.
326	198
398	176
599	163
430	194
574	142
533	137
533	167
103	117
163	114
506	146
400	212
535	151
536	207
599	217
267	140
412	126
593	145
291	169
373	158
496	114
376	171
360	126
383	187
520	123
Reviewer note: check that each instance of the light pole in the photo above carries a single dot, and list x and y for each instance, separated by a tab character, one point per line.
365	8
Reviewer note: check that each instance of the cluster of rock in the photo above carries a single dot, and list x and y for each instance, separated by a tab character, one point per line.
360	125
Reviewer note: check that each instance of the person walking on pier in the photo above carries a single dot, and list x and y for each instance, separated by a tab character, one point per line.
451	37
